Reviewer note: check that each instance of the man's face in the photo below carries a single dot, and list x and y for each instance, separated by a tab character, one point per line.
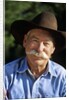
40	41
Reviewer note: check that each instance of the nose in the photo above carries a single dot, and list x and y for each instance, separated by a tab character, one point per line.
40	47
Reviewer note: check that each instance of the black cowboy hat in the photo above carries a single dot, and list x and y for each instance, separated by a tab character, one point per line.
46	21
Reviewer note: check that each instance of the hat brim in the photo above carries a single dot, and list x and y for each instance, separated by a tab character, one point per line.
20	27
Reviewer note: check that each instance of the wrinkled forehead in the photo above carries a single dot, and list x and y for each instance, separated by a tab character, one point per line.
40	33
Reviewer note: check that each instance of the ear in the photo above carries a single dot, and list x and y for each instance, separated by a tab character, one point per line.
24	40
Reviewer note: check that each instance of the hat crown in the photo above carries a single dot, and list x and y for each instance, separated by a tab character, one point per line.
47	20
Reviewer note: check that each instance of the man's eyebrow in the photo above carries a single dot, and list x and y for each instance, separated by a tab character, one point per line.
46	40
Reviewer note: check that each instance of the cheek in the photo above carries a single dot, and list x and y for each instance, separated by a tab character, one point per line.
49	50
30	46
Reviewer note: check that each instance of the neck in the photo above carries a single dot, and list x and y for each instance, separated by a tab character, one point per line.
37	70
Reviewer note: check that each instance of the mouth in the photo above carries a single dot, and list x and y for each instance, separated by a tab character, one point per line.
37	58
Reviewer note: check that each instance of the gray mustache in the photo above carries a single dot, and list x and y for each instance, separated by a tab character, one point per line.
34	52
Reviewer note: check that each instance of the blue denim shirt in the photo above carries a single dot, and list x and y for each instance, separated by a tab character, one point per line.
19	83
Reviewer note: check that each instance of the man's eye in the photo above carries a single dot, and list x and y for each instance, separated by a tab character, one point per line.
34	40
46	44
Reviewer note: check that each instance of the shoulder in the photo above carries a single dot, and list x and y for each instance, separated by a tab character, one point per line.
13	66
58	69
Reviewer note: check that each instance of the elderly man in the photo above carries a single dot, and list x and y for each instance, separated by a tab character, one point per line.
36	76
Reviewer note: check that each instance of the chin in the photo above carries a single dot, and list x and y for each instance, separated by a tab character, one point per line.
39	62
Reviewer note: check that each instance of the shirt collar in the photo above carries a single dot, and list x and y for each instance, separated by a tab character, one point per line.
51	68
24	66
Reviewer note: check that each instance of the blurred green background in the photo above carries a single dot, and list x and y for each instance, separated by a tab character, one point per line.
15	10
